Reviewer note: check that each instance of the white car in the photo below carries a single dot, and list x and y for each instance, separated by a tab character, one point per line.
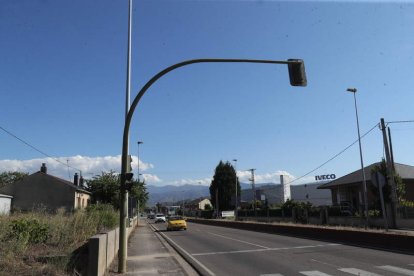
160	218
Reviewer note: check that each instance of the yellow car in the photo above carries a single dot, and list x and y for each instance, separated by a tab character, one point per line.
176	223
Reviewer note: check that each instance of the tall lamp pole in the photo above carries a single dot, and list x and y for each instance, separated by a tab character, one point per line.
138	143
364	182
297	77
236	198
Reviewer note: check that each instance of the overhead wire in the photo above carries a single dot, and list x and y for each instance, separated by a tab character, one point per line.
38	150
335	156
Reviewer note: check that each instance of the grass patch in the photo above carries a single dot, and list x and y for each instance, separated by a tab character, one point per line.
41	243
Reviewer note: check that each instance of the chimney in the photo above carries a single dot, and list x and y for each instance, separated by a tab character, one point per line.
76	179
81	181
43	168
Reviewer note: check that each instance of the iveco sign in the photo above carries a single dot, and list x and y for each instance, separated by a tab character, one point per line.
325	177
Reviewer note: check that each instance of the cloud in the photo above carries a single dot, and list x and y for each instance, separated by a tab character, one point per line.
151	178
273	177
89	166
204	182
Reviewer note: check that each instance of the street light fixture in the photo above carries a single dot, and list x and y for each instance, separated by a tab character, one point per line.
364	182
138	143
236	198
297	77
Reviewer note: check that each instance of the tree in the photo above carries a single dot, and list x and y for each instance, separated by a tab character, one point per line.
139	192
7	178
223	183
400	186
105	188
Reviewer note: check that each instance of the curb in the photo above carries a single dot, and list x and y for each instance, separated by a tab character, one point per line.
196	265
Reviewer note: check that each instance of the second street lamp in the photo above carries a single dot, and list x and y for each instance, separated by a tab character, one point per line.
364	182
297	77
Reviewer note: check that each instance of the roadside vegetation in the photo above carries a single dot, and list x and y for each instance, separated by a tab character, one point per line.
40	243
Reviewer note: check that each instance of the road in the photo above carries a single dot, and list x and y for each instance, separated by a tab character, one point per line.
227	251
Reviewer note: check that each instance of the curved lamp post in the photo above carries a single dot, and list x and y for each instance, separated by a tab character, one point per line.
297	78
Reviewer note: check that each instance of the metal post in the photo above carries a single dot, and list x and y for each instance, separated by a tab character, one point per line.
122	253
217	203
125	138
390	175
254	192
236	198
364	182
139	143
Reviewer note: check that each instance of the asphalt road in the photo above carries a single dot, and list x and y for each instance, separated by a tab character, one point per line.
227	251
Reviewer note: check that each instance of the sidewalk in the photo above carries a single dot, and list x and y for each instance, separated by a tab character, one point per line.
149	254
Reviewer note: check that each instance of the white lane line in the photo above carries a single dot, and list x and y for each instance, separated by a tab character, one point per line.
261	250
395	269
277	274
211	273
359	272
314	273
225	237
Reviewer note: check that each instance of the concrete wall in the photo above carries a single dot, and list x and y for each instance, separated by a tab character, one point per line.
103	248
338	221
377	239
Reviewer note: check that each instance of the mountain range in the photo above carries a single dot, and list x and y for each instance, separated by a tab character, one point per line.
174	194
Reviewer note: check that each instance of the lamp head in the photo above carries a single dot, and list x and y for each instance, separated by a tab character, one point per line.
353	90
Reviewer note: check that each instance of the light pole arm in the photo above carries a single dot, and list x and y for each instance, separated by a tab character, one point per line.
122	225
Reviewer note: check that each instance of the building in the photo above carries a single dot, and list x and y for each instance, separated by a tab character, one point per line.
195	206
5	204
299	193
42	190
346	190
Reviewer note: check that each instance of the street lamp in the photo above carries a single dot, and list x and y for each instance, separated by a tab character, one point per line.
235	201
297	77
364	182
138	143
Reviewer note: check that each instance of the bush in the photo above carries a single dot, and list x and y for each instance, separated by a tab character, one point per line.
28	230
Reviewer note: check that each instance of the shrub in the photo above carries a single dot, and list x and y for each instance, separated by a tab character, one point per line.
28	230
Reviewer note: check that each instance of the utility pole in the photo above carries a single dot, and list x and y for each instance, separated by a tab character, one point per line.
123	214
390	175
254	191
217	203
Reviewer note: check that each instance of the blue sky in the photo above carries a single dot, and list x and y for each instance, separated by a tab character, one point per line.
62	86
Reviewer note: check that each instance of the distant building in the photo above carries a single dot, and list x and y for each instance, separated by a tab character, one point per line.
44	190
5	204
347	189
195	206
300	193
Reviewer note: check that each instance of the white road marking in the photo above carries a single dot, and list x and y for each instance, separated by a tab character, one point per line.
261	250
359	272
277	274
211	273
395	269
224	237
314	273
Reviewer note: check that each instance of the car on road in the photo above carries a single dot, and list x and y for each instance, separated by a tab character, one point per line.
160	218
151	216
176	223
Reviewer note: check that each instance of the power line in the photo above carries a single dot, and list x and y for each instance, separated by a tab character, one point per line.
399	122
336	155
38	150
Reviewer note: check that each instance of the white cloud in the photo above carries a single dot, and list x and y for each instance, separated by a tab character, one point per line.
151	178
273	177
89	166
204	182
